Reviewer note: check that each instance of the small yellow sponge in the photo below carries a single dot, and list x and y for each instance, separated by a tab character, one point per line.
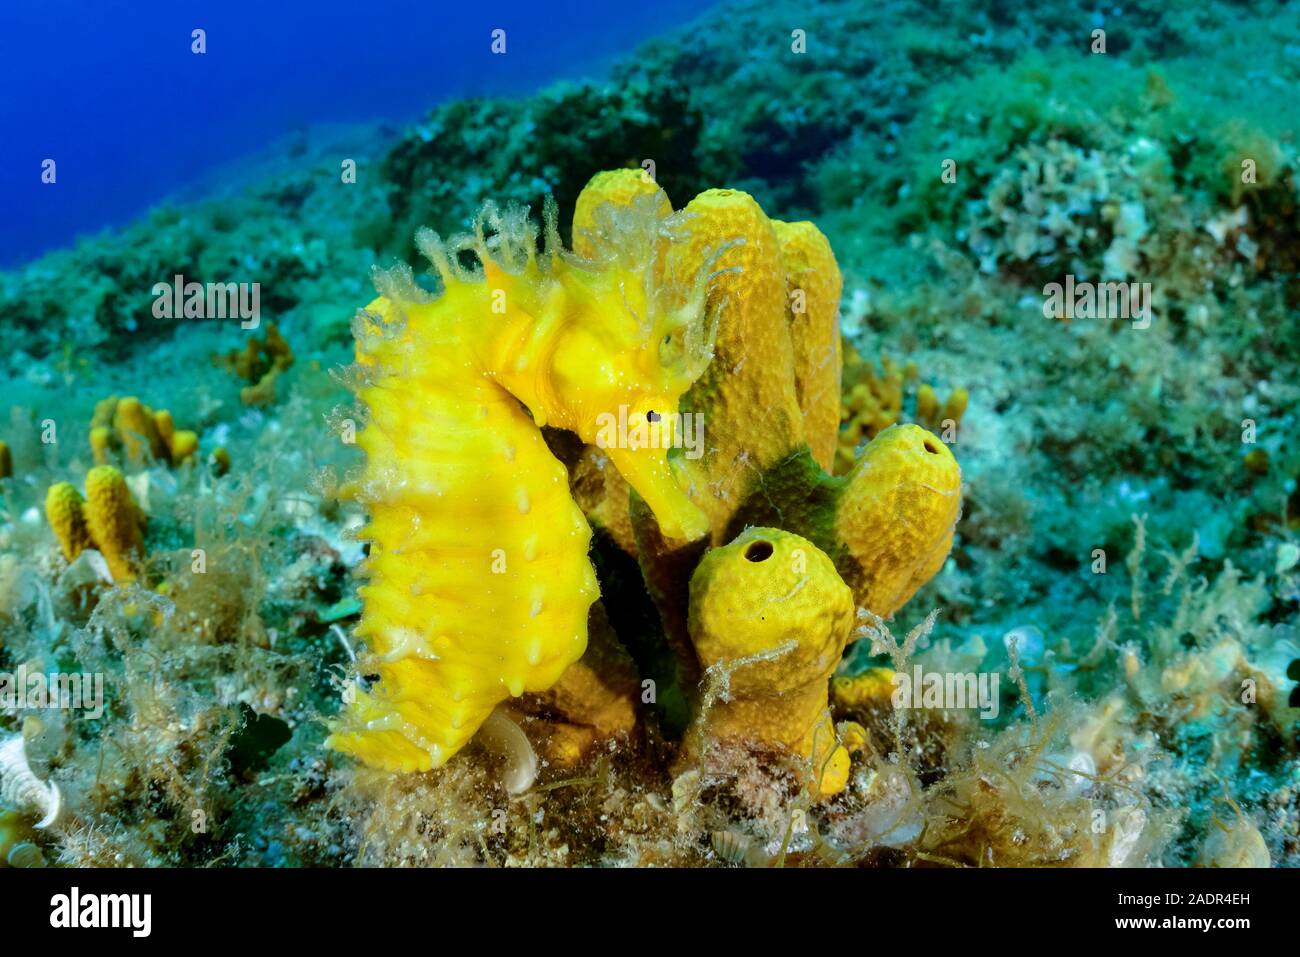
897	511
183	445
108	520
875	686
113	519
101	443
137	430
66	515
770	616
618	187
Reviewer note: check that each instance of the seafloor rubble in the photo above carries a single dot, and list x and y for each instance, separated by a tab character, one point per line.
1126	560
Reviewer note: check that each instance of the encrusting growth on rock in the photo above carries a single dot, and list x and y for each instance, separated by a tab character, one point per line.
260	363
873	400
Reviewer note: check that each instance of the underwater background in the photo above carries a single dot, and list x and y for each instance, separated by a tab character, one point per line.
176	522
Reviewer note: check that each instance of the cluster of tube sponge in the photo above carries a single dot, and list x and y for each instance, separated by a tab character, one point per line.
770	403
140	434
874	399
107	520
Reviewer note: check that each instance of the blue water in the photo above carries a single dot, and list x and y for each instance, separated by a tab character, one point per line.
111	91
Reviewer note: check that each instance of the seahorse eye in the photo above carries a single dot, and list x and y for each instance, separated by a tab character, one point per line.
669	349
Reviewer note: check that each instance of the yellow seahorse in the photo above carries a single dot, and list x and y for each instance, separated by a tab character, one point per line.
479	579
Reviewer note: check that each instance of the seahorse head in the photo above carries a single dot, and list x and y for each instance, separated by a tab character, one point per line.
603	345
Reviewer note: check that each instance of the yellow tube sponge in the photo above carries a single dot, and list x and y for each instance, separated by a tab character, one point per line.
746	398
101	443
769	617
895	518
769	416
776	379
6	461
955	407
136	430
888	525
619	187
113	520
812	279
747	395
479	581
927	403
103	414
162	420
107	520
64	510
182	446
